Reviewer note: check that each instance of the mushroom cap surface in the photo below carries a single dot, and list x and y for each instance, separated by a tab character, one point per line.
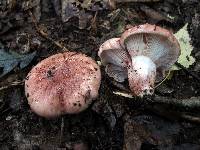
157	43
65	83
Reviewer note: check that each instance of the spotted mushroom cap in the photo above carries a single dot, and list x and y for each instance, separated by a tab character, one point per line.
114	58
65	83
157	43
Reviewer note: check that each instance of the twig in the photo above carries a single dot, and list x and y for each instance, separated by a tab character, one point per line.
62	129
125	1
193	102
173	115
189	103
93	22
43	34
194	119
15	83
187	71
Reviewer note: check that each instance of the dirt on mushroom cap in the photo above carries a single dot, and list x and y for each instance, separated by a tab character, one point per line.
63	83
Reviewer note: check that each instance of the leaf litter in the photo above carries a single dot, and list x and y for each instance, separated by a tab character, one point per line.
185	59
158	131
10	60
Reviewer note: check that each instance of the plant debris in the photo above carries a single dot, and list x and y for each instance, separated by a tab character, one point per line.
10	60
185	59
167	120
82	10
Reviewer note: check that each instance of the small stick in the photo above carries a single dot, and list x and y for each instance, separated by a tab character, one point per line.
190	118
62	129
93	22
15	83
173	115
193	102
45	35
125	1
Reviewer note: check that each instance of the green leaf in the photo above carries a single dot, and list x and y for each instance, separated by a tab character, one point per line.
185	59
9	60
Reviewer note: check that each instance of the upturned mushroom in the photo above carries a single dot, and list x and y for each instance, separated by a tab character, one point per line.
65	83
142	54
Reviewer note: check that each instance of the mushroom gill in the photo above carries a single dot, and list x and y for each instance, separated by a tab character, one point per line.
145	52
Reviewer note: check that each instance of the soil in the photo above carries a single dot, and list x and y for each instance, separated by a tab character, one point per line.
112	121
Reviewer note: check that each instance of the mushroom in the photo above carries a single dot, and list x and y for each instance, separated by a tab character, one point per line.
65	83
142	54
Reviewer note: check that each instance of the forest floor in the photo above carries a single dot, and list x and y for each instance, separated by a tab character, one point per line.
112	121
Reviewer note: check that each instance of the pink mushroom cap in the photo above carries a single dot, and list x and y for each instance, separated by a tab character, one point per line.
65	83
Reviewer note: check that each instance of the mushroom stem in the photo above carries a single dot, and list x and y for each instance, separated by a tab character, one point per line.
141	76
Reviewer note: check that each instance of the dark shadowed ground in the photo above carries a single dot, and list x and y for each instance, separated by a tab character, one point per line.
112	122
